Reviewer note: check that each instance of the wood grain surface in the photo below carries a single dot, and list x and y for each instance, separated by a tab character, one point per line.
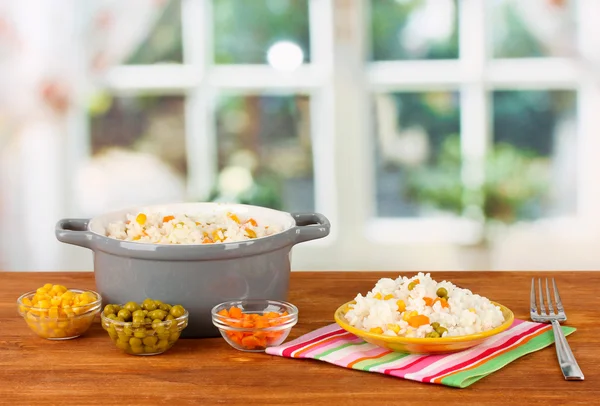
90	370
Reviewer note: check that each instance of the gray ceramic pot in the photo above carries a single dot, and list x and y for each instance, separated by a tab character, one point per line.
195	276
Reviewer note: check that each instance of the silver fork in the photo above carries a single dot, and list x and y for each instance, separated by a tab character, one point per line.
566	359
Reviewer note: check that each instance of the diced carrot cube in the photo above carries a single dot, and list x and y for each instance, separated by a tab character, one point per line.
250	342
235	312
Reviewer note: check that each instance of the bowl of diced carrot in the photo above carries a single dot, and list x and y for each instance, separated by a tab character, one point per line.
254	325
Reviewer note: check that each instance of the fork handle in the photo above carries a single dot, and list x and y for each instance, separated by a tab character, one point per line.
566	359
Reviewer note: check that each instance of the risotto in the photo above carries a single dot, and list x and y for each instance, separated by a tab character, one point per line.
420	307
173	228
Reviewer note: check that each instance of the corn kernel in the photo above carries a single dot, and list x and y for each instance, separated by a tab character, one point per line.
47	287
472	310
408	315
27	302
90	296
388	297
141	219
394	327
41	291
44	304
376	330
53	312
401	305
377	295
234	217
56	301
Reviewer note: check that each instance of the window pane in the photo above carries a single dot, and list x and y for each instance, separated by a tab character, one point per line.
163	43
265	153
138	153
418	154
245	31
533	28
414	29
531	172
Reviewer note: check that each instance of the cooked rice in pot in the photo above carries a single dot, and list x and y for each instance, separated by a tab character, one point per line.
177	228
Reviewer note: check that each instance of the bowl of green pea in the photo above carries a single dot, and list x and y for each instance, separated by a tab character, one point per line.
148	328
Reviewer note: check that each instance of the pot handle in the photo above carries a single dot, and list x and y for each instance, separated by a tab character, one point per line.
74	231
310	226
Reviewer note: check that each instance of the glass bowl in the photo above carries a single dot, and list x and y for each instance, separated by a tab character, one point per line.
248	331
56	324
145	338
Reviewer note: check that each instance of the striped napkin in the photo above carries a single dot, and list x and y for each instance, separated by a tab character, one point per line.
336	346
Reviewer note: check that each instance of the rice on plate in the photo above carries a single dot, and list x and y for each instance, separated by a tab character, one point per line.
178	228
420	307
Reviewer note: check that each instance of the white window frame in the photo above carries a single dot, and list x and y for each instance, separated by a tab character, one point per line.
340	83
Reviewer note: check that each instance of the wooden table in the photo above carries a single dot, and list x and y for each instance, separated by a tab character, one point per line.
90	370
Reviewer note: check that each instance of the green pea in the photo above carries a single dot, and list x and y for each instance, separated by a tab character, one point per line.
170	317
166	307
137	350
442	292
117	308
158	303
147	320
135	342
122	345
149	349
174	336
151	341
163	344
132	306
109	310
149	304
177	311
164	336
140	333
123	337
412	285
138	319
121	319
124	314
128	330
433	334
157	314
138	313
111	316
441	330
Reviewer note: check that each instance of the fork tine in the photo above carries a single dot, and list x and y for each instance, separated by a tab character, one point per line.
541	296
532	297
549	299
559	305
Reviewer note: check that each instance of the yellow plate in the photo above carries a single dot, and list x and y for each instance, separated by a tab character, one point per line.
424	345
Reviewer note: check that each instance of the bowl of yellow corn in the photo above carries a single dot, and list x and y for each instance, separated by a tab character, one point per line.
57	313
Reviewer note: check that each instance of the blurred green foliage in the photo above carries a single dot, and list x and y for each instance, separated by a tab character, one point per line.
164	43
523	120
514	177
244	30
389	19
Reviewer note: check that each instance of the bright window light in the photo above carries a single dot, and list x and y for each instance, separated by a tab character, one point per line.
285	56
